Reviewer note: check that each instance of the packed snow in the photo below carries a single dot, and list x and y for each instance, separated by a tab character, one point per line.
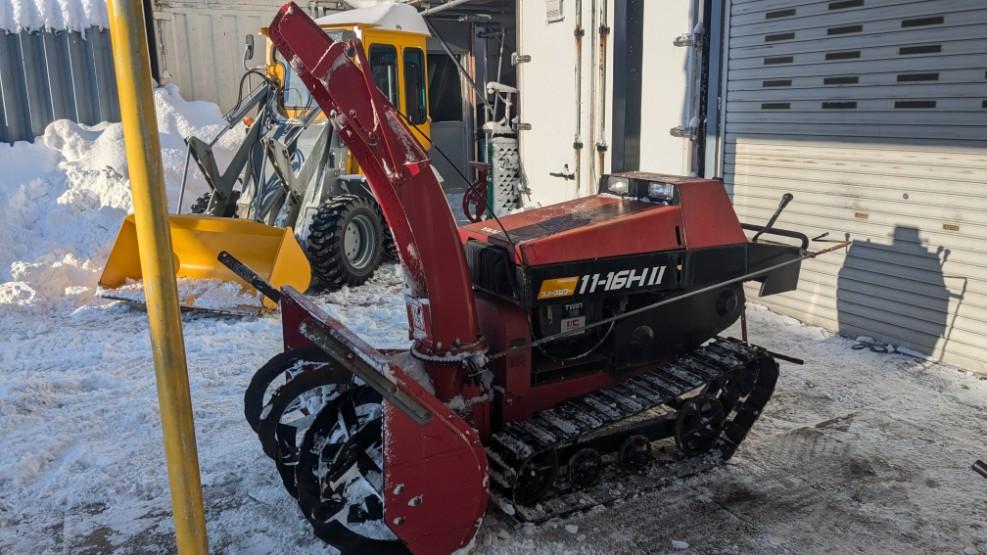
858	451
55	15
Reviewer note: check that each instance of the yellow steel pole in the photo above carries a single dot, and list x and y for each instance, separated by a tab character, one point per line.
140	131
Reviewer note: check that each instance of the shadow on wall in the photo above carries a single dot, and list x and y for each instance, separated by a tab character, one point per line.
864	305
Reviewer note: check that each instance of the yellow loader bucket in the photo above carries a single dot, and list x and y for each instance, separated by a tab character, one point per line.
196	242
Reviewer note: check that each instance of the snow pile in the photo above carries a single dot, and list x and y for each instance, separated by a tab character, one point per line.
63	198
33	15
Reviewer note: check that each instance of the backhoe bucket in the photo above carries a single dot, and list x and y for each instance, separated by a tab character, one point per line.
196	243
376	462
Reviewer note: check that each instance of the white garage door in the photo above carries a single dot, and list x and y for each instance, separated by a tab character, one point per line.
873	113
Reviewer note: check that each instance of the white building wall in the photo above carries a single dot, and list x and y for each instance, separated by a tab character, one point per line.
549	99
666	88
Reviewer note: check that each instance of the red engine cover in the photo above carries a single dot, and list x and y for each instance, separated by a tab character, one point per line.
602	226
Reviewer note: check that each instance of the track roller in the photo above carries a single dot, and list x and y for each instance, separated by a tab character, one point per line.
634	453
699	423
585	468
536	477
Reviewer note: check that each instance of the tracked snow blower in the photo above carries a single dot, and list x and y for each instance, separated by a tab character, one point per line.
549	348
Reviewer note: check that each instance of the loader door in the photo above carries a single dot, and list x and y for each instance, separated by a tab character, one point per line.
383	60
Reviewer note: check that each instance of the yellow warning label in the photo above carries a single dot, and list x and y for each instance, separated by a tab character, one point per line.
558	287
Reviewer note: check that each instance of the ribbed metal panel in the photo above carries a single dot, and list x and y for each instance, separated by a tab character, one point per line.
49	75
873	114
200	44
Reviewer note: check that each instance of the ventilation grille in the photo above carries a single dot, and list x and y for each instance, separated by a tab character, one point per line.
880	57
844	4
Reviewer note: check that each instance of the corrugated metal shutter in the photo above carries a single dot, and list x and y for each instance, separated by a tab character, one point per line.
873	113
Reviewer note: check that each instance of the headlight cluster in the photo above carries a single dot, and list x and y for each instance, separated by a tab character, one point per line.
641	189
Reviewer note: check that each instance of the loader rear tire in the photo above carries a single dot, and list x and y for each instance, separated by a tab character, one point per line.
201	203
345	241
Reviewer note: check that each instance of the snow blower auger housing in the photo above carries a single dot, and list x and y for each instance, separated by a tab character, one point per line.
544	345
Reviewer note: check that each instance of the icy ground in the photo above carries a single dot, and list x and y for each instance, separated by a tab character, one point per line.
858	452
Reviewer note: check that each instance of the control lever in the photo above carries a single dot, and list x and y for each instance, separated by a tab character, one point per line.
785	199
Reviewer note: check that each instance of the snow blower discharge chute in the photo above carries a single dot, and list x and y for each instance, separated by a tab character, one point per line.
551	350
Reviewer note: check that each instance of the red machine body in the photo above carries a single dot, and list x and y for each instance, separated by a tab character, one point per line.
599	227
492	288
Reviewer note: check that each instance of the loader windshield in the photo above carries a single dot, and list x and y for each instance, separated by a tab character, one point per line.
296	95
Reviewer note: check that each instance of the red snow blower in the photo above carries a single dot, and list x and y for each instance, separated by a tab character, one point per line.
551	348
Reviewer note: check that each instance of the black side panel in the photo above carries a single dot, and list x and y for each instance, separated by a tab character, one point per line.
607	277
676	328
491	269
628	44
764	255
706	266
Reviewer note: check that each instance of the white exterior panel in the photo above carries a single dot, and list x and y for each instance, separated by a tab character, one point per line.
666	88
548	99
200	44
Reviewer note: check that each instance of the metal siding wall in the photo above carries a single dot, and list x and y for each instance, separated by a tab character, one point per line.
870	154
200	45
49	75
17	118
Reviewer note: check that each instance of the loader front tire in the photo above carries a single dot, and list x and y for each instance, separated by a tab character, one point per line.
346	241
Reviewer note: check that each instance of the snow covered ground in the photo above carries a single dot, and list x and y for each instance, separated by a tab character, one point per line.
857	452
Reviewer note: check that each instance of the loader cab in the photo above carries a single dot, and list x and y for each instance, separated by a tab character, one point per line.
394	41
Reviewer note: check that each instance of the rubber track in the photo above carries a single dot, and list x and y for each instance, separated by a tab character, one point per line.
727	361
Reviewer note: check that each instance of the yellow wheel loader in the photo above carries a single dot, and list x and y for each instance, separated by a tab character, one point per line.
292	203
